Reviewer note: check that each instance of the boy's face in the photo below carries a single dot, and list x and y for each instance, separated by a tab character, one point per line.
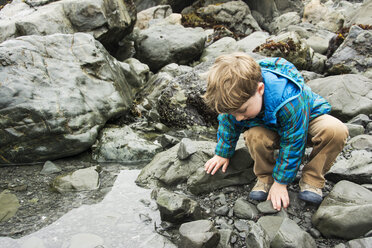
251	108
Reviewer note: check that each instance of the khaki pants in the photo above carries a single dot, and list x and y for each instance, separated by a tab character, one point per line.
326	134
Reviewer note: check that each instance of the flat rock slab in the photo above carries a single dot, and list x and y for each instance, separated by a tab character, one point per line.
9	205
345	212
199	234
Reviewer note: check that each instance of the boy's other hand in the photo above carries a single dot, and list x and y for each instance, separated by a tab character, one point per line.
278	194
213	164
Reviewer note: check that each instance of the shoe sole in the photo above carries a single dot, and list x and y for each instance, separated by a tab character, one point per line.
258	195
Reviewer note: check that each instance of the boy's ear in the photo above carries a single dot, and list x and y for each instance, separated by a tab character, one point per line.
261	88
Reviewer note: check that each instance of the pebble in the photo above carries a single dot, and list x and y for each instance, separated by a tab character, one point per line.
315	233
241	226
266	207
222	210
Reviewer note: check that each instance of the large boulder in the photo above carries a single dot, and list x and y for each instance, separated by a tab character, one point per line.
158	46
123	145
346	212
168	171
284	232
362	15
108	21
357	169
354	55
348	94
56	93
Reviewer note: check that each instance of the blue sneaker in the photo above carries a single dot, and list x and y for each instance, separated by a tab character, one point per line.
260	191
310	193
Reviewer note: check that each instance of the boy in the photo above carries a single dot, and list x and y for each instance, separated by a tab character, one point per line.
271	104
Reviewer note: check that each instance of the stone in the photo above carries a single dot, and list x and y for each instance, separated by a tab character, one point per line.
361	15
108	21
225	236
156	12
158	46
9	205
167	141
349	94
223	210
225	45
64	108
249	43
79	180
266	207
245	210
136	73
284	232
283	21
123	145
198	234
345	212
177	208
167	169
357	169
86	240
186	149
361	142
354	129
50	168
257	236
360	119
241	225
353	55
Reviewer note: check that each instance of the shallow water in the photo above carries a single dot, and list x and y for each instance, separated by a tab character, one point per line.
114	222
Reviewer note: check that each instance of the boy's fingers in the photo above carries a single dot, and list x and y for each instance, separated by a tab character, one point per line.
211	165
225	167
216	168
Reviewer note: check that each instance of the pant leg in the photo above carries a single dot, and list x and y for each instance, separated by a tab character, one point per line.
328	136
261	143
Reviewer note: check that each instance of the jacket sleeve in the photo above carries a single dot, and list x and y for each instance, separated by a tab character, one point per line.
227	135
293	120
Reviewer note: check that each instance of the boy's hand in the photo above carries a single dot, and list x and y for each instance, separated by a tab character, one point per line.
278	194
213	164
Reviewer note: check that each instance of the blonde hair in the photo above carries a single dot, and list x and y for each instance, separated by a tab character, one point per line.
231	81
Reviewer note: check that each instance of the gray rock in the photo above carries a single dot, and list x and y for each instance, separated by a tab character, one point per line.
177	208
354	54
123	145
257	237
158	46
283	21
345	212
156	12
361	15
309	75
284	232
168	141
266	207
167	169
225	45
361	142
80	180
241	225
348	94
360	119
249	43
245	210
356	243
9	205
50	168
354	129
186	149
223	210
357	169
108	21
198	234
225	236
136	73
239	172
236	15
64	108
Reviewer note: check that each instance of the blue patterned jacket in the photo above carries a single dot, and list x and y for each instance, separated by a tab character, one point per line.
289	105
